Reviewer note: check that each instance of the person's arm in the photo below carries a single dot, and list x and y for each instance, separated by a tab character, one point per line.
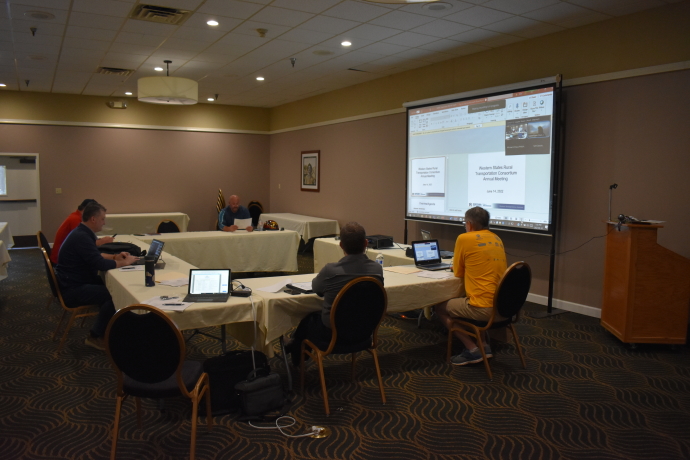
318	284
458	259
250	229
230	228
104	240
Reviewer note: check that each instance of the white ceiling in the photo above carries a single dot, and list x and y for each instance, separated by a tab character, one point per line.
386	39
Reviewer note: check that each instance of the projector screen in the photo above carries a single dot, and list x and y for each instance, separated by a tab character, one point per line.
493	149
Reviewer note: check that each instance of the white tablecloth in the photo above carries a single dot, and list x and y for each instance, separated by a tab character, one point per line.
283	311
239	251
4	260
327	250
125	224
308	227
6	235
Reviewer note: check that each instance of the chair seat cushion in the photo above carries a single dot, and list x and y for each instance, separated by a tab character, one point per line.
191	371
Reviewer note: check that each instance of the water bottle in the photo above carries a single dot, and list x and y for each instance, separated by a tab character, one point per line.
379	259
259	226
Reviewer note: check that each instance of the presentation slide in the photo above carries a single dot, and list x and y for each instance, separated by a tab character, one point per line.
493	151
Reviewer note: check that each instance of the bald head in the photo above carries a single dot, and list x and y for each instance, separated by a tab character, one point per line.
234	203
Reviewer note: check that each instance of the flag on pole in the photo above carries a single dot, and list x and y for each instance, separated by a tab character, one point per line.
220	204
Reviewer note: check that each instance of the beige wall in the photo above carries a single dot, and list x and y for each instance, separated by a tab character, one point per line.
131	170
631	131
652	37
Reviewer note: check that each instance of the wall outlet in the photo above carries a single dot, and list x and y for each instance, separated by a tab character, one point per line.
58	191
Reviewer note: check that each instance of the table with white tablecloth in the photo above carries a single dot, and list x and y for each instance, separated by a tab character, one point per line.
282	311
240	251
6	235
4	260
308	227
125	224
327	250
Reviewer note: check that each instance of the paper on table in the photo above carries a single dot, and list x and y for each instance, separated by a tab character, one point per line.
435	275
306	285
404	269
243	223
132	268
275	287
168	304
171	276
175	283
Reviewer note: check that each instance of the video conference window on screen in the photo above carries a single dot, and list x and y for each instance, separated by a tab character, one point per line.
494	152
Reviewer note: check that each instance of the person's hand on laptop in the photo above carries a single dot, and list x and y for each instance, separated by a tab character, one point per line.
124	258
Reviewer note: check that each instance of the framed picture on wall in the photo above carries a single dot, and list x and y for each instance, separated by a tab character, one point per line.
311	180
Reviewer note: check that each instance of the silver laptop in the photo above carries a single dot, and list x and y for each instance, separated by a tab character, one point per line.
427	255
426	236
156	249
208	285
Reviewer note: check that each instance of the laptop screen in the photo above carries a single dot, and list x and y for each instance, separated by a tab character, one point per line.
209	281
426	251
155	249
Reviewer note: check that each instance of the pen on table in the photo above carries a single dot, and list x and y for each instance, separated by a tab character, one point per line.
128	268
114	236
174	304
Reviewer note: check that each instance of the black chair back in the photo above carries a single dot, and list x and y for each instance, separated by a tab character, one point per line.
43	243
168	226
513	289
146	347
51	274
357	311
255	209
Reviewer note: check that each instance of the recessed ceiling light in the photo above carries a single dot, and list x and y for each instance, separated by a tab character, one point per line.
158	69
437	6
260	78
128	93
212	22
346	43
210	99
40	15
2	84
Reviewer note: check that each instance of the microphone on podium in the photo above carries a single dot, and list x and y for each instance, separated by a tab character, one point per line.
611	187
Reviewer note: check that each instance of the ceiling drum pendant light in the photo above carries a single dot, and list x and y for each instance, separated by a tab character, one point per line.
168	90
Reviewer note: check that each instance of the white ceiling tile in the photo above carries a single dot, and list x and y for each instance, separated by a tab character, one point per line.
357	43
234	43
64	77
518	7
475	36
135	50
89	33
45	49
415	53
542	28
249	28
443	45
148	66
198	34
18	11
385	48
438	57
213	57
442	29
230	8
187	45
97	21
281	16
329	25
65	87
501	40
583	20
79	52
42	28
78	64
478	16
305	36
178	56
469	48
278	49
189	5
139	39
21	37
356	11
199	20
56	4
36	66
309	6
558	13
401	20
410	39
372	32
456	6
512	25
148	28
132	60
110	7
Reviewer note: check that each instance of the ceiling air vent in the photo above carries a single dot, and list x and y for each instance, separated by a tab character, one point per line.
115	71
160	14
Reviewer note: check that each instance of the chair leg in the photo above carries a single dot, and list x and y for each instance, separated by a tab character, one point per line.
195	410
301	369
209	415
57	329
137	401
378	374
480	345
354	365
319	362
116	427
517	345
450	345
67	328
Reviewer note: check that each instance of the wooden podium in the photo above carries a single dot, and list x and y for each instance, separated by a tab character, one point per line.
646	287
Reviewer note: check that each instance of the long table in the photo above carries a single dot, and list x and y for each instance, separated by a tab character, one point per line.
6	234
240	251
4	260
327	250
308	227
125	224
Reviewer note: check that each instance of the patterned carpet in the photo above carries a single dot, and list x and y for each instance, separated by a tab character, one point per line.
583	396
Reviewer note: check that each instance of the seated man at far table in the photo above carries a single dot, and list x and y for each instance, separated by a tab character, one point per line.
328	283
480	260
233	211
77	272
72	222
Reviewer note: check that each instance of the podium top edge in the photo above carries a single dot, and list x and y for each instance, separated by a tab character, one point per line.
635	225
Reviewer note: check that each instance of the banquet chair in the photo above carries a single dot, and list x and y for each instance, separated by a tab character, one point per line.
255	210
148	353
510	296
167	226
75	313
43	243
355	319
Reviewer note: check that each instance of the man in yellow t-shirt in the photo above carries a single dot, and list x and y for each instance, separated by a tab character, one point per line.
480	261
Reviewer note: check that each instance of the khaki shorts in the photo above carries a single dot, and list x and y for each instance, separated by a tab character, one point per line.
460	308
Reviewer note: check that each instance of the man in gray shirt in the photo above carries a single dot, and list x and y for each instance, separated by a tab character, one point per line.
328	283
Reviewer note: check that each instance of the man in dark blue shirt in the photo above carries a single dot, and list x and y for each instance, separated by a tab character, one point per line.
231	212
77	271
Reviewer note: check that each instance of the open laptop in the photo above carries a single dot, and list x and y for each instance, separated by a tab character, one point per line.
426	235
155	250
208	285
427	255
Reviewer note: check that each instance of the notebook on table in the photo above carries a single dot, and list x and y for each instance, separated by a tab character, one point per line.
208	285
427	255
155	250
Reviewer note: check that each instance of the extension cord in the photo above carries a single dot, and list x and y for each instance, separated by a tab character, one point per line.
241	292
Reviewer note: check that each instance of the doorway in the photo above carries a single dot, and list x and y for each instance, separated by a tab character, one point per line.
20	204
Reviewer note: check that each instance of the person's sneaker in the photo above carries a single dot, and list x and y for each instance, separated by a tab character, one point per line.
96	342
466	357
487	350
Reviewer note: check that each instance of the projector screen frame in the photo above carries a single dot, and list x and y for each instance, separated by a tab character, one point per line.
555	142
